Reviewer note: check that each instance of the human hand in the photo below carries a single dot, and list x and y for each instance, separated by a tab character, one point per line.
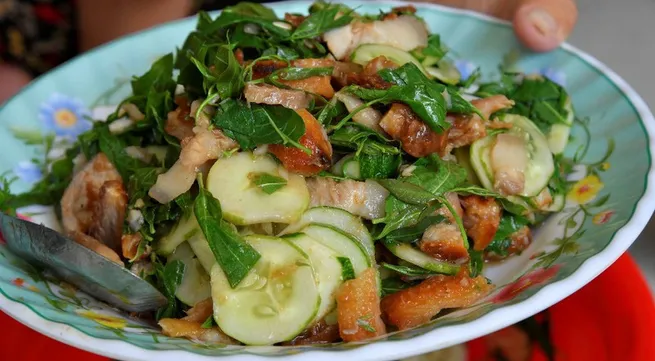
541	25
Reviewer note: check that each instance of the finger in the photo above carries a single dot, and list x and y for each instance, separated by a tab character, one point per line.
542	25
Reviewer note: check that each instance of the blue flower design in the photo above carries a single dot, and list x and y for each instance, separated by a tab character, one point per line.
554	75
465	67
65	116
28	172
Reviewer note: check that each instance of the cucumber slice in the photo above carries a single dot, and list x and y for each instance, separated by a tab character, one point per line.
445	72
348	167
276	301
351	169
200	247
339	219
558	136
559	201
463	155
367	52
327	267
410	254
243	203
195	282
343	244
182	231
540	167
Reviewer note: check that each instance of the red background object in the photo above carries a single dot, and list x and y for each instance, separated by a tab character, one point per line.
610	319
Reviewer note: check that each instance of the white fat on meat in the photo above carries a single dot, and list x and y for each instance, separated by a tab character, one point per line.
364	199
205	146
405	32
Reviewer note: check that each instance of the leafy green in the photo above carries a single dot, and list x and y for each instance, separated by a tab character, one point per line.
209	322
460	105
235	256
394	284
171	277
222	73
320	21
435	48
259	124
141	181
538	98
406	270
413	233
334	109
413	88
299	73
252	9
268	183
365	323
476	262
377	157
114	148
347	270
509	224
409	193
432	178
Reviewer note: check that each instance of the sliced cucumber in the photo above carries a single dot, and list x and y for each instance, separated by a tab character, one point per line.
182	231
327	267
276	301
347	166
540	167
367	52
558	135
345	245
410	254
244	203
195	282
200	247
445	72
339	219
463	155
559	201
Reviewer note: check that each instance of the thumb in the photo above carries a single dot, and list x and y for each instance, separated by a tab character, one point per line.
542	25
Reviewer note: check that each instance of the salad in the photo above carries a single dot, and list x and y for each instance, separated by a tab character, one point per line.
313	178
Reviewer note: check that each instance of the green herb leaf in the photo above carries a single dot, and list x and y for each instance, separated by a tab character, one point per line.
320	21
252	9
114	148
267	182
347	270
469	189
235	256
413	88
209	322
413	233
141	181
258	124
171	276
509	224
299	73
407	192
394	284
364	322
476	262
410	271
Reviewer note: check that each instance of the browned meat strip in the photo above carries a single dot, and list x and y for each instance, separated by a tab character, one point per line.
417	139
481	219
417	305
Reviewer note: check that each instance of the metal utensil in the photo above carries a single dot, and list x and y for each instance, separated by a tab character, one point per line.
80	266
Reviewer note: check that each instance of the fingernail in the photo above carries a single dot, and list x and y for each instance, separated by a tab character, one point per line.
543	22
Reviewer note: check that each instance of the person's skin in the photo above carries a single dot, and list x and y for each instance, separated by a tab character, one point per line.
541	25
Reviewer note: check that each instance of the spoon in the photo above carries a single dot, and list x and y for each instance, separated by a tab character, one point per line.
80	266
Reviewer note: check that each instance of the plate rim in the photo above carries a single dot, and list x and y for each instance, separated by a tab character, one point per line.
385	349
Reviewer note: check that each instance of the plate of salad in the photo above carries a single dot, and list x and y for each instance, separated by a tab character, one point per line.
369	181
